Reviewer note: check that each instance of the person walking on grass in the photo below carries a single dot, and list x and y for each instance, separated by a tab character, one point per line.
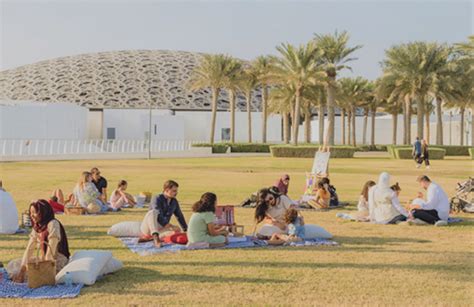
424	154
417	152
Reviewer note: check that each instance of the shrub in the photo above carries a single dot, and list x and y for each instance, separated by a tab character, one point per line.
307	151
372	148
471	152
453	150
218	148
406	153
249	147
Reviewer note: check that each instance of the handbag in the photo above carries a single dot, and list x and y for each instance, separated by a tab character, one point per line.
41	272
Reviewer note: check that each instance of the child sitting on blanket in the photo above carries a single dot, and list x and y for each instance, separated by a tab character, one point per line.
120	198
323	197
296	231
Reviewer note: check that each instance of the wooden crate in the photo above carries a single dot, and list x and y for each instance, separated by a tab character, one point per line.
237	230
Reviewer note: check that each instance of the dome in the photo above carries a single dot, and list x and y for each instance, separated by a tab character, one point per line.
117	79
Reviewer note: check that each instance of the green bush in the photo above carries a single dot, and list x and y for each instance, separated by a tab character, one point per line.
391	149
471	152
372	148
249	147
452	150
218	148
307	151
406	153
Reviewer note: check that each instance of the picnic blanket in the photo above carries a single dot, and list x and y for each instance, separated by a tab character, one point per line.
148	248
10	289
345	216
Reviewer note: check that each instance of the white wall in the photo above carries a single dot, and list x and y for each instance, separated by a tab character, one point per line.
34	120
185	125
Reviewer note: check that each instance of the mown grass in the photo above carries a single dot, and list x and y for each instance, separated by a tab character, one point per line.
374	265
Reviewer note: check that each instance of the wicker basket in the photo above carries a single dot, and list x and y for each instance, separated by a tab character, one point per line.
41	272
74	211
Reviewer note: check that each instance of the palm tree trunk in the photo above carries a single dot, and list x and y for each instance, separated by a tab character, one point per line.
427	127
372	135
297	116
354	127
307	124
232	116
343	126
394	127
249	116
472	127
286	126
215	94
321	122
331	102
463	109
405	126
364	132
420	112
439	121
292	117
349	130
408	120
264	113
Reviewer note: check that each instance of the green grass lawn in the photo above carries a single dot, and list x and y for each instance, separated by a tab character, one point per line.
374	264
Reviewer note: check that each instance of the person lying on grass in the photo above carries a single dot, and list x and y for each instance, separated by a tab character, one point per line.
271	208
49	234
120	198
162	208
296	230
202	228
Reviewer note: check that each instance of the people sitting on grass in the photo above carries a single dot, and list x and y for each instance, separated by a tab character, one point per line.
296	229
100	183
8	212
120	198
87	196
283	184
271	208
435	210
334	201
202	228
162	208
48	234
384	205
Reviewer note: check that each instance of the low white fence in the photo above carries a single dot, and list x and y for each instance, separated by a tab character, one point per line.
28	148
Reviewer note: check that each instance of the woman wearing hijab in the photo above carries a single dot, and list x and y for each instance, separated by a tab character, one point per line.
384	206
283	184
49	233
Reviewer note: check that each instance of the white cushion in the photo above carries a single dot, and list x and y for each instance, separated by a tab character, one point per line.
84	267
125	229
8	214
316	232
268	230
112	266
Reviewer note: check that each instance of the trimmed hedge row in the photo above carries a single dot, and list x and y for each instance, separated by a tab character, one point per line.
453	150
306	151
406	153
471	152
236	147
372	148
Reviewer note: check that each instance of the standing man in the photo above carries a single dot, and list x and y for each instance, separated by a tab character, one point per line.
100	183
435	210
417	152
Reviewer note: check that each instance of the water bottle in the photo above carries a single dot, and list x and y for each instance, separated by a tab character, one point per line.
68	279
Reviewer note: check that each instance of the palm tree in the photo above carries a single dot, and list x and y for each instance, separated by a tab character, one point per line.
298	68
232	80
334	58
354	92
248	83
281	102
211	73
262	66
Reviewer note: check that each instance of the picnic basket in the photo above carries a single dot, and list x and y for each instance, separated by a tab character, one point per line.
41	272
75	210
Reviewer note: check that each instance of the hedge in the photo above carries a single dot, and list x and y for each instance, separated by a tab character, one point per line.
236	147
372	148
406	153
453	150
288	151
471	152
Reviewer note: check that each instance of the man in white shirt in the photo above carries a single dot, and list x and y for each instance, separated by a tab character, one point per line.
435	210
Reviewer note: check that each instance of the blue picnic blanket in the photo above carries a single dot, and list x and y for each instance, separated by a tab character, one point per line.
10	289
148	248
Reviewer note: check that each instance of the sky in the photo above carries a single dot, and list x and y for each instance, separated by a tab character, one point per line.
31	31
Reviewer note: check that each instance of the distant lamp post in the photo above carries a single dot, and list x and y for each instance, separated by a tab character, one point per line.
149	129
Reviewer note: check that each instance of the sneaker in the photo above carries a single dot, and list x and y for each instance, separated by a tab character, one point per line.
441	223
416	222
428	167
418	165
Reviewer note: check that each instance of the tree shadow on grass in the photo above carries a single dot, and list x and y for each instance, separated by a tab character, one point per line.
377	240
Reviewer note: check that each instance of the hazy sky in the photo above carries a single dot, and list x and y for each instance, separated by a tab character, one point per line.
36	30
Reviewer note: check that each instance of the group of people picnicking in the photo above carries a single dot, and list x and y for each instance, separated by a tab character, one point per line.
282	222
